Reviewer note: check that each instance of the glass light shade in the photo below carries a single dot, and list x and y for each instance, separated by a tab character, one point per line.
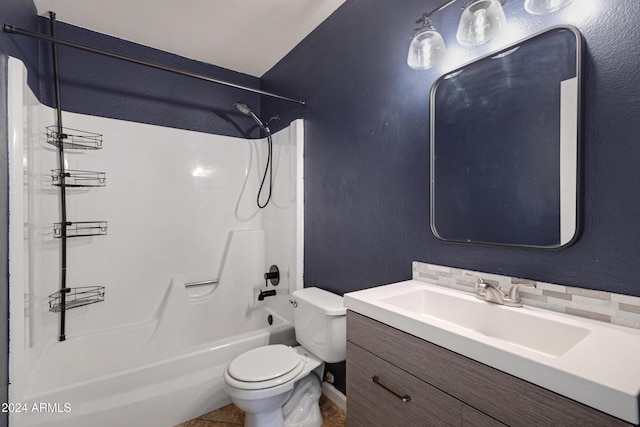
541	7
481	21
426	49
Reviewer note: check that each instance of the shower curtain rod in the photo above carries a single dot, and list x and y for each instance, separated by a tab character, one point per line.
14	30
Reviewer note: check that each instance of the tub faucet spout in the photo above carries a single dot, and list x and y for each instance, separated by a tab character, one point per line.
264	294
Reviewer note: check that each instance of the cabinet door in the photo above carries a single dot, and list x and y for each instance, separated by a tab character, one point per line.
380	403
474	418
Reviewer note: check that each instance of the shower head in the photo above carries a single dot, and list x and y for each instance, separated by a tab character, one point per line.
243	108
246	110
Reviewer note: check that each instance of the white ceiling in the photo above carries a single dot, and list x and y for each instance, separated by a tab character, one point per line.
248	36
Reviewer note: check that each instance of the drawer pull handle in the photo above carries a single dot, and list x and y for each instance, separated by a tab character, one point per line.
404	398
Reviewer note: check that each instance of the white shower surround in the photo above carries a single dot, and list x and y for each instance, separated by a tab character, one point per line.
181	208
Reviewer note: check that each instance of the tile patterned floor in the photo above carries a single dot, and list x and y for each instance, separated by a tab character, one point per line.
230	415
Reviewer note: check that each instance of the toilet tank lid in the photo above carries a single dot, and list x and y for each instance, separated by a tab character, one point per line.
329	303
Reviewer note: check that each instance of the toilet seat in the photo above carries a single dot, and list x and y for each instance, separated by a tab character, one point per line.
264	367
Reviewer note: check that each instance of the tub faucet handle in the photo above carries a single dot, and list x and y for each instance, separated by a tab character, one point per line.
273	276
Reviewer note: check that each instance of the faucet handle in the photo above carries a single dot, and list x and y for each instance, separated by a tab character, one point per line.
479	280
514	291
481	284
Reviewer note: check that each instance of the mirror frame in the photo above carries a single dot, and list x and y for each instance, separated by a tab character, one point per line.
570	152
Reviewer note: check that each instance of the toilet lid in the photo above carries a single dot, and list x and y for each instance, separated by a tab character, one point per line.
264	363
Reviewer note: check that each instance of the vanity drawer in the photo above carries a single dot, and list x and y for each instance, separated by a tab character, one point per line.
473	418
371	404
478	385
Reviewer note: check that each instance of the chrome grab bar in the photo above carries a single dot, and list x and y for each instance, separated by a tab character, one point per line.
201	283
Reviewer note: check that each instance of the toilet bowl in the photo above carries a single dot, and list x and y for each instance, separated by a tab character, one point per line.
262	380
278	385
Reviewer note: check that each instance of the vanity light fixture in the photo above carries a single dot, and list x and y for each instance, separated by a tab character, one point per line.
427	46
481	22
541	7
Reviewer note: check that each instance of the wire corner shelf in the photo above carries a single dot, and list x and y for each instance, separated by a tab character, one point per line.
75	297
73	139
78	178
80	229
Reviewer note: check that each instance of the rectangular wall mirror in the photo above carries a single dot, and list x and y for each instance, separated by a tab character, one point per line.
504	145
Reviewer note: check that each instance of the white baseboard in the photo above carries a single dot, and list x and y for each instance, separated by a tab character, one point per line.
335	395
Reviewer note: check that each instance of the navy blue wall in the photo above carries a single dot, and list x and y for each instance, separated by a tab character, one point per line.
367	150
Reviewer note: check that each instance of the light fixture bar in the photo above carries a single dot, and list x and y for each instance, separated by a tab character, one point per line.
14	30
438	9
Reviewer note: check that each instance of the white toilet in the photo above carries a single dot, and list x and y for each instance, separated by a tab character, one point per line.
277	385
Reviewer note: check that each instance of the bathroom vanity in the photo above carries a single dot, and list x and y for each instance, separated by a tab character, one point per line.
442	387
399	378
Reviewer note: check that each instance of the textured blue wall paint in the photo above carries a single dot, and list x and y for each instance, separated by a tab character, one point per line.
367	150
101	86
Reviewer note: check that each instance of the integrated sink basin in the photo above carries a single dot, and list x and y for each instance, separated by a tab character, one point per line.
592	362
548	336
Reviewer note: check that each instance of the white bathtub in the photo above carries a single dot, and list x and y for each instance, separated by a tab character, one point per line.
78	386
163	371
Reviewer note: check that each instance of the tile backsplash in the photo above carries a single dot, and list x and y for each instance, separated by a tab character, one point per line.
608	307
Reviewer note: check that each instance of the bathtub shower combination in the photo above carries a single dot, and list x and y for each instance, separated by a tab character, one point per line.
182	267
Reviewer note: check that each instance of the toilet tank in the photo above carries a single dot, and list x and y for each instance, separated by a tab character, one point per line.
321	323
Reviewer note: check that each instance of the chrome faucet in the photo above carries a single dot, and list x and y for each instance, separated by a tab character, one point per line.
492	293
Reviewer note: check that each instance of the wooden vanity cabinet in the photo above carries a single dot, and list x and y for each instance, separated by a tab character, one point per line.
443	388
